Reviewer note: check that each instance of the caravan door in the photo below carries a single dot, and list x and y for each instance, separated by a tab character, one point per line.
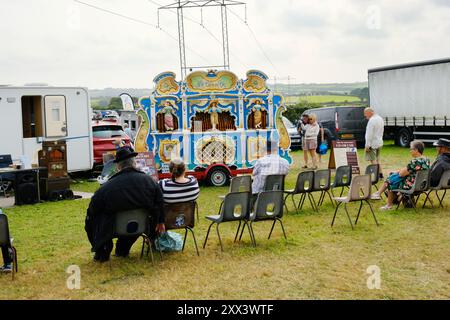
55	116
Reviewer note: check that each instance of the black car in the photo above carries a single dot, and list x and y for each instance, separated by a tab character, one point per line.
342	123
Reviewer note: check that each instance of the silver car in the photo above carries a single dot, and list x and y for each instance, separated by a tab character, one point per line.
296	140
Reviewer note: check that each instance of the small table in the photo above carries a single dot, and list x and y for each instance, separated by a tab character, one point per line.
36	171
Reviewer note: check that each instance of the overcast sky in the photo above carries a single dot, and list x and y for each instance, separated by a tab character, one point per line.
62	42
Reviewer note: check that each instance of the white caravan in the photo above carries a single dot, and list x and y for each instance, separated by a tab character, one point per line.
30	115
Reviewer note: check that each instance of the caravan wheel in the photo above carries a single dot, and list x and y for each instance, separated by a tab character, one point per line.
218	177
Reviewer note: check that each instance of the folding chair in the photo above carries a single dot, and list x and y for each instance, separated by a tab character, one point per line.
342	179
274	182
236	207
240	184
420	187
7	241
181	216
374	171
268	207
4	186
360	191
303	186
135	223
322	184
444	185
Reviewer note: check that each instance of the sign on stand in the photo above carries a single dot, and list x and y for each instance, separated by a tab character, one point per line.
344	153
145	162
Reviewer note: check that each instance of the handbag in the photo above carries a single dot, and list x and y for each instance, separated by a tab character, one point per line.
169	242
395	179
323	149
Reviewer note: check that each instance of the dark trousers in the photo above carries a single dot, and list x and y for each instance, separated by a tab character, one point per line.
6	255
123	246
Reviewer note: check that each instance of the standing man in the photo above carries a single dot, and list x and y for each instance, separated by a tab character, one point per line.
272	163
374	137
129	189
442	162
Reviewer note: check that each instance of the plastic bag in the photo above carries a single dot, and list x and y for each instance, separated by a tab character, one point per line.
169	242
323	149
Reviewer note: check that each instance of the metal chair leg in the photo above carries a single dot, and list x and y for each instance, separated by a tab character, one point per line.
252	233
348	216
428	198
331	198
271	230
335	213
441	200
359	212
313	202
218	235
185	237
373	213
195	240
196	211
237	232
207	235
282	227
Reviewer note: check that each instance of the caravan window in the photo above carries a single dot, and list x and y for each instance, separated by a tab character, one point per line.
55	116
32	124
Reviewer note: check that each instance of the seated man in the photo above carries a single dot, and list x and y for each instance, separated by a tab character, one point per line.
128	189
7	261
442	162
272	163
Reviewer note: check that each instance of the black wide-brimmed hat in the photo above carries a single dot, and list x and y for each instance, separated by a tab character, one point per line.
125	153
442	143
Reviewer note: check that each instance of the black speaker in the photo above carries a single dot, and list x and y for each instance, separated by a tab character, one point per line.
26	188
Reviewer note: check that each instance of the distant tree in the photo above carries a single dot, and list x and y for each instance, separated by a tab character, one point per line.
362	93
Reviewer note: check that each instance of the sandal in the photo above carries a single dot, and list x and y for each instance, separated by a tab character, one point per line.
386	208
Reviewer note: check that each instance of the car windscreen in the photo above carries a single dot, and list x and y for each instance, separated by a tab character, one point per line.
108	132
288	123
352	118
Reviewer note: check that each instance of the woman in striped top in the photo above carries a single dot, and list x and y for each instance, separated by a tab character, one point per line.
179	188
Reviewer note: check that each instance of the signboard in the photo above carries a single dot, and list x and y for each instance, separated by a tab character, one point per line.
145	162
344	153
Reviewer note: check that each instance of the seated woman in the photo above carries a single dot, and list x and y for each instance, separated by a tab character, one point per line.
179	188
404	178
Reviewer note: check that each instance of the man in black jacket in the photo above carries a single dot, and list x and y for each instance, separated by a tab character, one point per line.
442	162
129	189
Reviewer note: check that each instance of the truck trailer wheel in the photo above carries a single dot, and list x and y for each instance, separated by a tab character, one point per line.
404	137
218	177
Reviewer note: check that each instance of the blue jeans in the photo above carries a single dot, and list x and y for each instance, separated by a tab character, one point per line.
6	256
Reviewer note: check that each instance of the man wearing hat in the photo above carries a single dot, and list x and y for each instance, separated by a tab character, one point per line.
128	189
442	162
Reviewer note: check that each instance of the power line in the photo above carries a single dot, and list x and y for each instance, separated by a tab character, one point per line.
138	21
205	28
256	39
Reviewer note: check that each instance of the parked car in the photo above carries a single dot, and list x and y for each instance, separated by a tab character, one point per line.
104	134
342	123
296	140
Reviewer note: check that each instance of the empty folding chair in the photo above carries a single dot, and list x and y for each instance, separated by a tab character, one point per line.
304	187
322	184
360	191
134	223
421	184
374	171
7	242
274	182
342	179
268	207
444	185
240	184
181	216
236	207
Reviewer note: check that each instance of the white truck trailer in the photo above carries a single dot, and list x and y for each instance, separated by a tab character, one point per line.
30	115
413	99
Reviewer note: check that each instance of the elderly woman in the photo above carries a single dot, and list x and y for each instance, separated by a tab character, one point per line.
405	177
179	188
312	130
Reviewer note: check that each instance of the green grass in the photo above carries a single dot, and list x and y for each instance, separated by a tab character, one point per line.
322	99
316	262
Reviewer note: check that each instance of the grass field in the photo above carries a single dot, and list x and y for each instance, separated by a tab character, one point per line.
322	99
316	262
